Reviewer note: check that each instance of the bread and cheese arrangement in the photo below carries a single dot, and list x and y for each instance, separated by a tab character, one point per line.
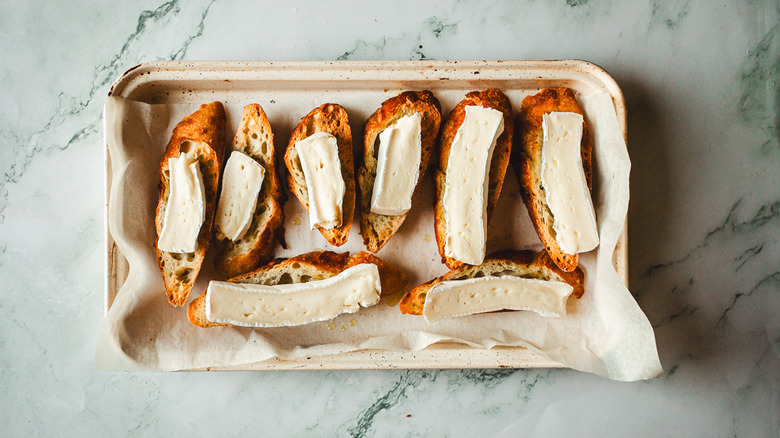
311	287
505	280
321	171
553	164
189	177
474	151
250	215
418	247
399	140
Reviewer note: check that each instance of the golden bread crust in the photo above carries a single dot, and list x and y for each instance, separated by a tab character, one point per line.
393	279
329	262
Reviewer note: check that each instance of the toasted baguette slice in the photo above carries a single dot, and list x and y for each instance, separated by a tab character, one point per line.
527	161
375	228
205	130
330	118
489	98
525	264
255	139
313	266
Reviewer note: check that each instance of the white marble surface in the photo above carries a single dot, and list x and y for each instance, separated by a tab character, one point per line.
700	80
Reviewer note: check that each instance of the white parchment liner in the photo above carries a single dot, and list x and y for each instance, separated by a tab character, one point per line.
605	332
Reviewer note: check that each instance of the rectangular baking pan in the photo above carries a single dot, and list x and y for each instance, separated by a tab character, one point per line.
199	82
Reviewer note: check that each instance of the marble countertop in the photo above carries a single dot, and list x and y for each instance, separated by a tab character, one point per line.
700	80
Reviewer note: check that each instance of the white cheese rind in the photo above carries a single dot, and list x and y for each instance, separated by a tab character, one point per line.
241	183
319	155
563	180
186	206
489	294
255	305
398	166
466	184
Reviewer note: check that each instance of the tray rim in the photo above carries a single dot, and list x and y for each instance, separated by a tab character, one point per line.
446	355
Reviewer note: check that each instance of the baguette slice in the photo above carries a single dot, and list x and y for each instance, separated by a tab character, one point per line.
313	266
330	118
376	228
527	161
525	264
205	130
255	139
489	98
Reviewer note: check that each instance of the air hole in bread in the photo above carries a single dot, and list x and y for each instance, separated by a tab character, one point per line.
505	272
285	279
190	256
295	265
375	149
175	256
305	278
254	136
479	274
264	148
183	274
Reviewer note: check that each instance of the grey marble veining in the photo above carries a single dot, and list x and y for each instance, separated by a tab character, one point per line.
701	86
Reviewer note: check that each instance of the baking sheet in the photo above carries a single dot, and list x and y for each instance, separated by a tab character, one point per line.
142	331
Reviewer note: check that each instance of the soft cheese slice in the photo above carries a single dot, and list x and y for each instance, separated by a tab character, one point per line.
398	166
256	305
186	207
319	155
466	184
489	294
563	179
241	183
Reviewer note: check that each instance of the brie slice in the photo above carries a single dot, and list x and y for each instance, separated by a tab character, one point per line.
241	183
466	184
256	305
488	294
564	183
398	166
319	155
186	207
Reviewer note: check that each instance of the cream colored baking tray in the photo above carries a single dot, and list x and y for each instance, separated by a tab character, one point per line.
199	82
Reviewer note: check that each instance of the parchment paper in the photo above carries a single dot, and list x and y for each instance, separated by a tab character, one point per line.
605	332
